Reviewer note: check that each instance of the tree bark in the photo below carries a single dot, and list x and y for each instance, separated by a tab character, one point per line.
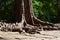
24	13
29	15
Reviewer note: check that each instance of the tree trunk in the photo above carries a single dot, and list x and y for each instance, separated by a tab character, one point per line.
24	13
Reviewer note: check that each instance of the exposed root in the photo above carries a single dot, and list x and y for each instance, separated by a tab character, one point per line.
25	27
31	29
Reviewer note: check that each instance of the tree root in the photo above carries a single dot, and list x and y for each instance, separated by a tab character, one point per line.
36	28
44	24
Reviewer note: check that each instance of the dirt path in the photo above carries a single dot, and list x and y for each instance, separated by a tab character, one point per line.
45	35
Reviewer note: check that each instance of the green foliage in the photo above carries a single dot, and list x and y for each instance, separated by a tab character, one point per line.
45	9
6	9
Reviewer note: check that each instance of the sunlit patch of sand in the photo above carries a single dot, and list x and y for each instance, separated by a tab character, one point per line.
45	35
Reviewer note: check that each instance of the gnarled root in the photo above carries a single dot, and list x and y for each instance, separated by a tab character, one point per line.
31	29
45	25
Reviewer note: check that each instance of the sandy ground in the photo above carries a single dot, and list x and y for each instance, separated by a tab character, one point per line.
45	35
